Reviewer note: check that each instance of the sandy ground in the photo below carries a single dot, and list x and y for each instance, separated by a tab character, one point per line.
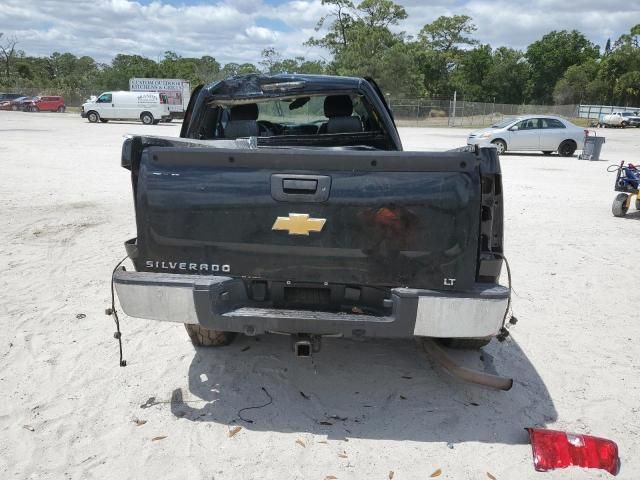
360	410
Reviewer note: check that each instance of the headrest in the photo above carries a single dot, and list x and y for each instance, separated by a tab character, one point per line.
338	106
247	111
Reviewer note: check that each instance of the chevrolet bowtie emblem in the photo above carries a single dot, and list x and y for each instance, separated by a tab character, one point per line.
299	224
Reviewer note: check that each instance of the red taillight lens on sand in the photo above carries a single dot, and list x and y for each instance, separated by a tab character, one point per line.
554	449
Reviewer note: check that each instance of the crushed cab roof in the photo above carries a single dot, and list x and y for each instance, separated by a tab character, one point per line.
253	85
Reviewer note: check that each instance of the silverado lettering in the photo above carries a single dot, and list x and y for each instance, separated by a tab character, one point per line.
193	267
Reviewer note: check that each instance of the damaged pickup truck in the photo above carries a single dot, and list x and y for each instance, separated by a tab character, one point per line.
288	206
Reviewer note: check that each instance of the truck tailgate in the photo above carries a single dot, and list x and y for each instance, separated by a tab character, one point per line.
374	218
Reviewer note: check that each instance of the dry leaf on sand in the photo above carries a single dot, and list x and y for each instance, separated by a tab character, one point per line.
161	437
301	443
234	430
437	473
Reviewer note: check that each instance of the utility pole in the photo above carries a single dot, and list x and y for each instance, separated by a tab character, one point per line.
453	117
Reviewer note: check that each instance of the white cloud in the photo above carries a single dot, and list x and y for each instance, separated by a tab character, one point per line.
261	34
227	30
517	24
238	30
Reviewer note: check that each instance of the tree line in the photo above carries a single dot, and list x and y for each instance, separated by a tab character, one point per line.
364	39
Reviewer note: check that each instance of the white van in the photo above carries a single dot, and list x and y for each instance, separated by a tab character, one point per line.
148	107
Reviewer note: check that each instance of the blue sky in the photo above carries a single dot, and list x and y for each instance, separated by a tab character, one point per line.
238	30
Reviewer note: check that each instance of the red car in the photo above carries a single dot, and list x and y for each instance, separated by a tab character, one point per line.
45	104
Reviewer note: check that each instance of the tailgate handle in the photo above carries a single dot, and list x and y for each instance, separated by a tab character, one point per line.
294	187
290	185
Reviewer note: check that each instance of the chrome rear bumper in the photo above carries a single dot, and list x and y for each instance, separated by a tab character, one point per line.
222	303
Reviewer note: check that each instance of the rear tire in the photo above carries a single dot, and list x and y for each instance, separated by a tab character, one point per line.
465	343
203	337
620	206
624	124
501	146
567	148
61	109
93	117
146	118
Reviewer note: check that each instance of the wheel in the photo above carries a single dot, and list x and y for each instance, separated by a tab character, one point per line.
620	205
567	148
146	118
547	152
93	117
104	120
501	146
60	109
638	203
465	343
14	108
33	109
203	337
624	124
156	122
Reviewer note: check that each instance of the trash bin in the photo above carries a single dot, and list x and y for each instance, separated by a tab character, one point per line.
592	148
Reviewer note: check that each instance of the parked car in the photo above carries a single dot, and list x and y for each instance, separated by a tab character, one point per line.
10	96
532	132
23	103
327	228
621	119
45	104
14	104
148	107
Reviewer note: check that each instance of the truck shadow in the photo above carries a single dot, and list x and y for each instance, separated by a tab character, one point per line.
632	215
377	389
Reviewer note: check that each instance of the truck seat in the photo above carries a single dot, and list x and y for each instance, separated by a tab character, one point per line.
338	109
242	121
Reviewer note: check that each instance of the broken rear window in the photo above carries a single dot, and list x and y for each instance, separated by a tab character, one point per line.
294	115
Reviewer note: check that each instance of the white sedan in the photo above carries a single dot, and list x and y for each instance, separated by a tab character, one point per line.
532	132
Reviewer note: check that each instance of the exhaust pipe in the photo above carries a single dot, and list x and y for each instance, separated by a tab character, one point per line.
304	346
468	375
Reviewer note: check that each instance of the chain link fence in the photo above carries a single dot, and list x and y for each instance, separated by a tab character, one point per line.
441	112
598	111
415	112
